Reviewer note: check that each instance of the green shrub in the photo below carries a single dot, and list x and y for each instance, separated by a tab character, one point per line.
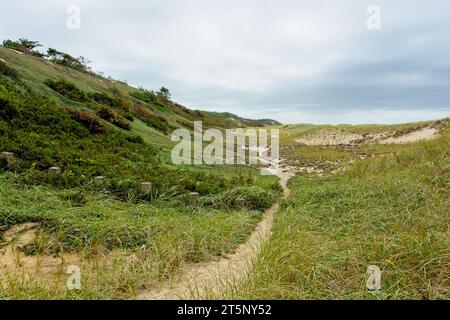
144	95
157	101
24	45
135	138
3	164
7	110
67	89
155	121
41	134
106	113
109	115
88	120
8	71
104	99
65	59
127	115
249	197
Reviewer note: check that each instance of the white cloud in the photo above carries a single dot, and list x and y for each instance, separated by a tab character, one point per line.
306	58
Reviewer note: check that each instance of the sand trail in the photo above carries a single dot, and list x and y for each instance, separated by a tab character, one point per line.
198	280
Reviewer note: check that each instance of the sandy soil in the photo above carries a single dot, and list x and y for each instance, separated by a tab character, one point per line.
327	137
331	137
13	260
16	51
427	133
45	267
213	278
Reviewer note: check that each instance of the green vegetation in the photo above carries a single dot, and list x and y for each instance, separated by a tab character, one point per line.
109	115
88	120
316	153
24	45
154	108
144	95
233	120
391	211
67	89
43	134
104	99
54	115
92	224
65	59
7	71
82	220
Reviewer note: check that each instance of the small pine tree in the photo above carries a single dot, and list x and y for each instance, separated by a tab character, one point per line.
165	93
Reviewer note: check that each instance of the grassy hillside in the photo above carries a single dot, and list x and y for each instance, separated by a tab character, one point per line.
52	115
153	109
234	121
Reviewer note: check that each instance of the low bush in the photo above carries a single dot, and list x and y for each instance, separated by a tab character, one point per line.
144	95
67	89
8	71
127	115
248	197
157	101
7	110
151	119
41	134
109	115
104	99
135	138
65	59
88	120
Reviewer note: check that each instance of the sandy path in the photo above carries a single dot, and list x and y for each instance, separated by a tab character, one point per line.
213	278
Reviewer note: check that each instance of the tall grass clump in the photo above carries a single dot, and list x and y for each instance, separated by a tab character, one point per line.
245	197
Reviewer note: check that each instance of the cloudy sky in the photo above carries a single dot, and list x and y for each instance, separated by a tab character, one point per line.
291	60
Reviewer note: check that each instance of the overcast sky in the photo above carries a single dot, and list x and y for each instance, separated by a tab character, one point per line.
294	61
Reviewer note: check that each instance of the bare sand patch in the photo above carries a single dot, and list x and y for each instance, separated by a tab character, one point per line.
16	51
13	261
334	137
426	133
